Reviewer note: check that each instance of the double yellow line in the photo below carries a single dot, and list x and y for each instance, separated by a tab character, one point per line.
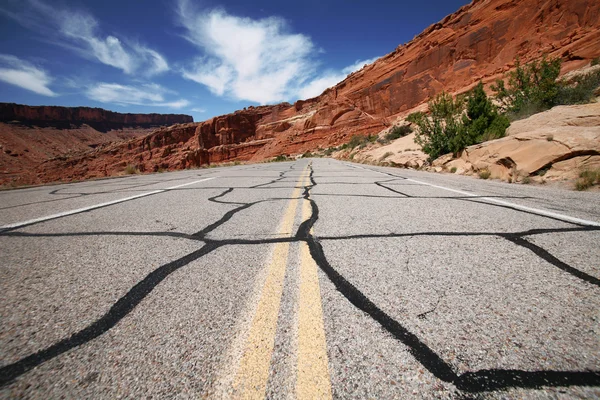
313	380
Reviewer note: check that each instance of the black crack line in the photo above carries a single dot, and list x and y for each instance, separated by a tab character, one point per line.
281	177
42	202
115	314
176	235
477	381
545	255
214	198
427	357
369	196
226	217
390	189
128	302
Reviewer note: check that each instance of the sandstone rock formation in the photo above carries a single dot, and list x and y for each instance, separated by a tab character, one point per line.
556	144
478	42
99	119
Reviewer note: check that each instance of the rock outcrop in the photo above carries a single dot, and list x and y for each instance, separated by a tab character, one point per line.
552	145
478	42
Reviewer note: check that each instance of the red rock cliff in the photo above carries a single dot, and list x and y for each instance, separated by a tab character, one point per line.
49	115
478	42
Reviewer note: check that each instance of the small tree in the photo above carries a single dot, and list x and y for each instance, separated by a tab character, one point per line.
450	127
437	133
531	88
482	120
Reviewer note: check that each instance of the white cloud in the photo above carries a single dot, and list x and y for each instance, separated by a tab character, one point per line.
79	31
245	59
256	60
330	78
198	110
20	73
144	95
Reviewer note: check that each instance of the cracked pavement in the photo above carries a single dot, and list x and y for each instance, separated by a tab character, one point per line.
431	286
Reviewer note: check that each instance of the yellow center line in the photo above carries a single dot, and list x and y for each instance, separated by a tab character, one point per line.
253	373
313	372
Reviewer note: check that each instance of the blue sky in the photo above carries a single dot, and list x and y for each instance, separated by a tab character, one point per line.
202	58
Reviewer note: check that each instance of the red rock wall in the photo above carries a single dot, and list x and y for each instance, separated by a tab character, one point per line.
49	114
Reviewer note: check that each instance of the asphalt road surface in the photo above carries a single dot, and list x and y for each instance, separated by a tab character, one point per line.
307	279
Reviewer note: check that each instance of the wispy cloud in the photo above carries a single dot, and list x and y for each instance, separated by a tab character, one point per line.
330	78
253	59
21	73
80	31
198	110
243	58
145	95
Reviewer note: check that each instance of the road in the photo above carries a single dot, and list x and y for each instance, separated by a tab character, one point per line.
307	279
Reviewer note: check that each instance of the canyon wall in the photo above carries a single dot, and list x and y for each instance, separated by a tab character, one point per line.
98	118
478	42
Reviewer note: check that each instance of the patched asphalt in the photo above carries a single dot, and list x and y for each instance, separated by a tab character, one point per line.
432	285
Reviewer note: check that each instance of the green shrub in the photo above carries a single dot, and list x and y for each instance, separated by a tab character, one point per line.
437	132
526	180
453	169
484	174
531	88
581	91
397	132
281	157
359	140
596	61
587	179
455	124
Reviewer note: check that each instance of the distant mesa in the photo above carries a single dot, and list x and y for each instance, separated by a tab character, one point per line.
97	118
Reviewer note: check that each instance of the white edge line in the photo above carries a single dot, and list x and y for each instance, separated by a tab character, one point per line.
537	211
88	208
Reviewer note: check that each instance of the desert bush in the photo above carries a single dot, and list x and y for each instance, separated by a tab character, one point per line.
526	180
581	91
484	174
453	169
454	124
587	179
531	88
436	133
360	141
397	132
281	157
596	61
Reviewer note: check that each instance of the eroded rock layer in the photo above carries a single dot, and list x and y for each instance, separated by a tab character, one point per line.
98	118
478	42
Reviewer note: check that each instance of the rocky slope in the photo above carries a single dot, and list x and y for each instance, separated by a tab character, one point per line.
478	42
